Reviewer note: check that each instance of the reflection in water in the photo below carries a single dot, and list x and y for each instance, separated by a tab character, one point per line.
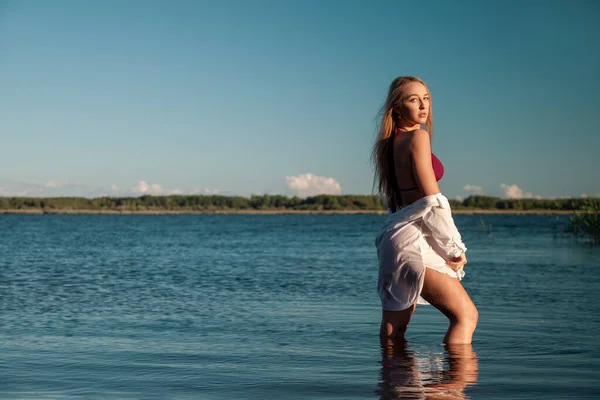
406	374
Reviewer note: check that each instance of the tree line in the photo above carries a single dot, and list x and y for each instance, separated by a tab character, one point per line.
201	203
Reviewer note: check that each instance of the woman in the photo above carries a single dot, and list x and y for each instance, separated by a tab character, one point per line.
420	251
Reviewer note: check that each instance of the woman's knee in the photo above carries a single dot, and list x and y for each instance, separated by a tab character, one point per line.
474	316
468	316
388	331
395	323
471	316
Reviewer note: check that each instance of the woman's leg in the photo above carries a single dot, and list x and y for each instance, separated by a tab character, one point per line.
394	323
448	295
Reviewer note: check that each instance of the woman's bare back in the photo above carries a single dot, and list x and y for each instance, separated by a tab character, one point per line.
406	183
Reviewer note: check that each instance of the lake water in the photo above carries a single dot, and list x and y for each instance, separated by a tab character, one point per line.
283	306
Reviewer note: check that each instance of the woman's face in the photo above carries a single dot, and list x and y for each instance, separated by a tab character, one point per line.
415	103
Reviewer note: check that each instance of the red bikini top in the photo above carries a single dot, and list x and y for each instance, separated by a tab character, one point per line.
438	170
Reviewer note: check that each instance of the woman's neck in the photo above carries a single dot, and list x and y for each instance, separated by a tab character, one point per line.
407	128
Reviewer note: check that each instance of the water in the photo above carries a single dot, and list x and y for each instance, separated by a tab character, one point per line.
282	306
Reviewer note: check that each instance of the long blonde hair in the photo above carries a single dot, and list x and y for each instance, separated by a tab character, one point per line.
383	152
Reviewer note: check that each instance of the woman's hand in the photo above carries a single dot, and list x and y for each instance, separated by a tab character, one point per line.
457	262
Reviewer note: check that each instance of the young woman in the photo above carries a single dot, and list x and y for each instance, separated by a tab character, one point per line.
420	251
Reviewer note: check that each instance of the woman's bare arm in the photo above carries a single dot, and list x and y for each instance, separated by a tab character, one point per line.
440	221
420	149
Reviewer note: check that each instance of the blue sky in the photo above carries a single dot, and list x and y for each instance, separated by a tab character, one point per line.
240	97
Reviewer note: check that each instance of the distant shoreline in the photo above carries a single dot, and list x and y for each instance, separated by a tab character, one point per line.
35	211
277	204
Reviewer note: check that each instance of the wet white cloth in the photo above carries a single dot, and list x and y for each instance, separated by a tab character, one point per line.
421	235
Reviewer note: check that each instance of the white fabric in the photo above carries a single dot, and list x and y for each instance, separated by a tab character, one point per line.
421	235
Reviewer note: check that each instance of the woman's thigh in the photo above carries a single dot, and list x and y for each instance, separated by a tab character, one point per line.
448	295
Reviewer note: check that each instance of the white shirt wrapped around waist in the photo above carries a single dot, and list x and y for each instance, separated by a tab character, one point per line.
436	214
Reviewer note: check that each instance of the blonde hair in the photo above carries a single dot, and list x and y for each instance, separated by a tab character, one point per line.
382	155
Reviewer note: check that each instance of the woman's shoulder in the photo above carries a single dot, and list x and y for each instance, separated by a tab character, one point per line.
419	139
419	134
412	141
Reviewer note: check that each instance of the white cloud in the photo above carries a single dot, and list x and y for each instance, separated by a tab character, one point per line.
51	184
205	191
304	185
584	195
144	188
53	188
211	191
458	198
515	192
11	188
512	191
473	188
5	192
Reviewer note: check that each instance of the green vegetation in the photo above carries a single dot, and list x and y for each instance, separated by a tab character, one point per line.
587	225
494	203
275	203
194	203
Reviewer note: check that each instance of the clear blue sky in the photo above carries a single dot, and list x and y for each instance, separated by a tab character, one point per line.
239	97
